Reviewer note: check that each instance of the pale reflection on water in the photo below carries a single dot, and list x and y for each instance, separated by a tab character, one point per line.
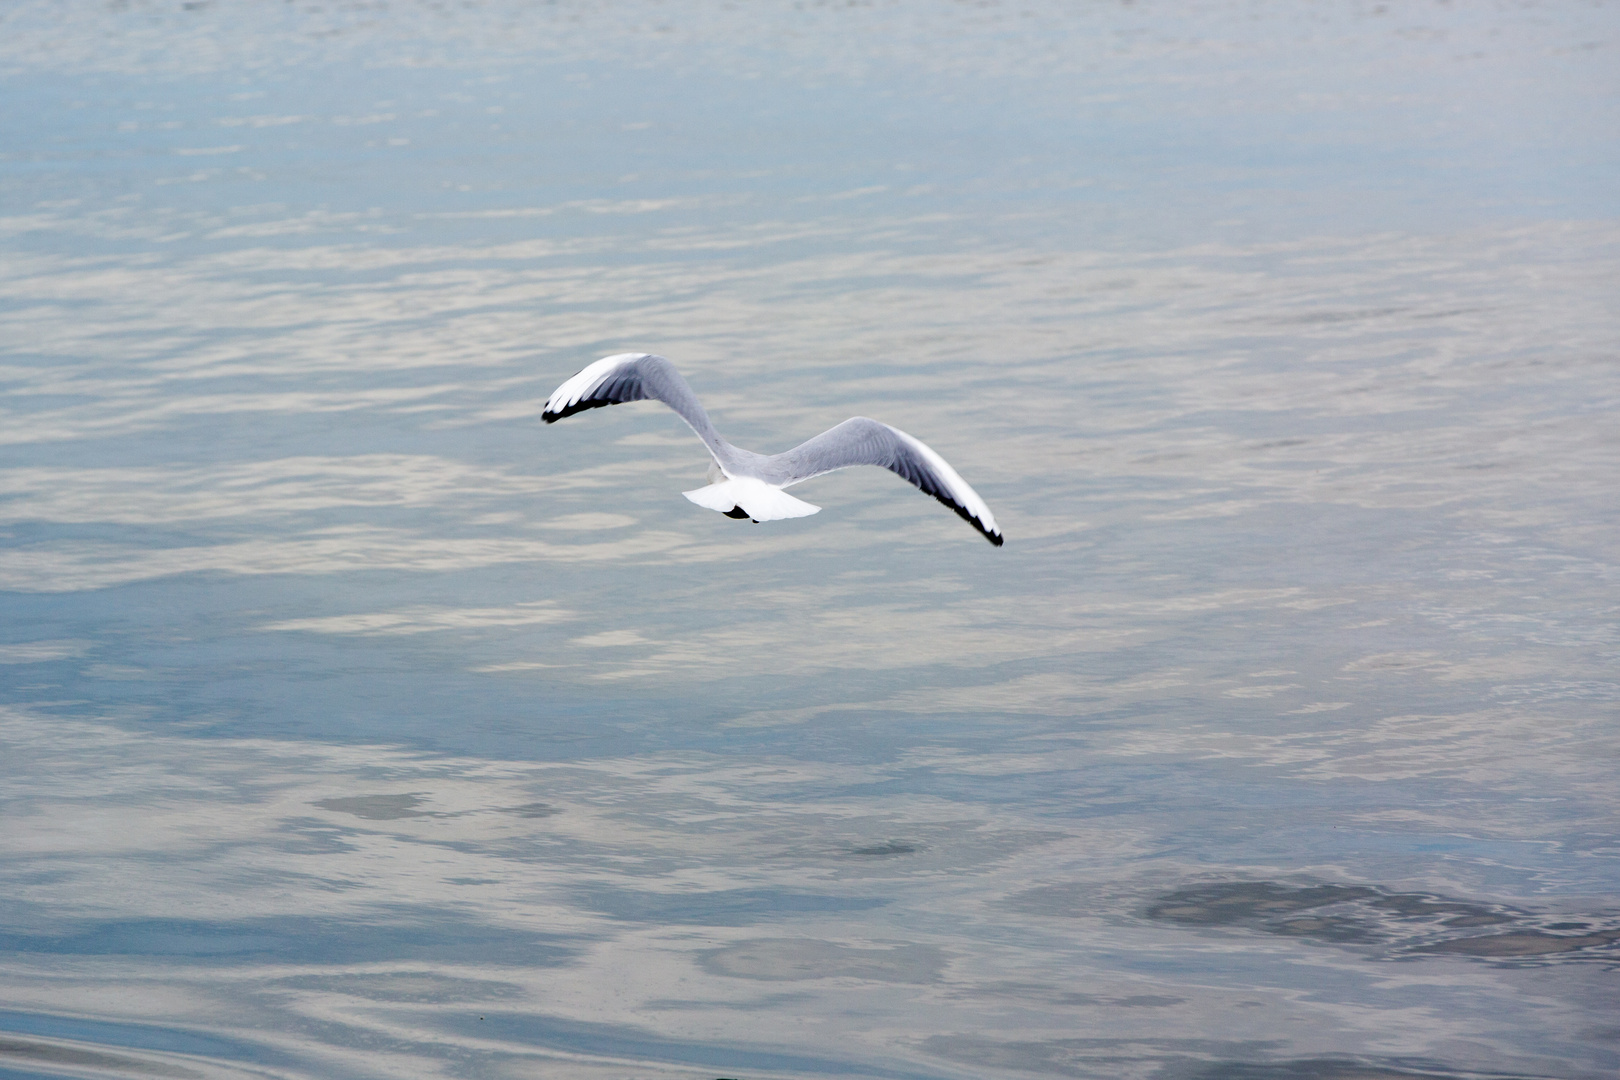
357	724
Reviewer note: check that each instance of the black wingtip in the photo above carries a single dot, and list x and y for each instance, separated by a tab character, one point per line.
569	410
962	512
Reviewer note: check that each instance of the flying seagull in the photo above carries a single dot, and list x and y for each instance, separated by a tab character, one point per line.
743	484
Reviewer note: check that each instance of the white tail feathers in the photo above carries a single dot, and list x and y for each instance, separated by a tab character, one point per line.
757	499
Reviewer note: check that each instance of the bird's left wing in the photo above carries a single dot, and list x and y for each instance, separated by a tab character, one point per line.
633	377
860	441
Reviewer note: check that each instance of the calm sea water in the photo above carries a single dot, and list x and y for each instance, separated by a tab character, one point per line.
354	723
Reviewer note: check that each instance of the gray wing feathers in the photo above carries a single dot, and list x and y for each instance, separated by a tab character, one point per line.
860	441
633	377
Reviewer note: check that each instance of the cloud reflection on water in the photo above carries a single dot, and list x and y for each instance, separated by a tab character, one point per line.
280	854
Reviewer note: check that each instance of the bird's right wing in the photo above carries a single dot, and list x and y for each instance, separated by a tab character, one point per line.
632	377
860	441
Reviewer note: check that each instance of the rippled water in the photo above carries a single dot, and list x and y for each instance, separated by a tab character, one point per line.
356	724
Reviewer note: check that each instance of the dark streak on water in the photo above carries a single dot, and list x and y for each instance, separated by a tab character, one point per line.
1361	914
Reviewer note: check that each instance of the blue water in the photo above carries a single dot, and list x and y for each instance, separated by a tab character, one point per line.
355	723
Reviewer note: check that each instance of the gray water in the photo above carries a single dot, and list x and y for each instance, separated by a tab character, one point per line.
357	724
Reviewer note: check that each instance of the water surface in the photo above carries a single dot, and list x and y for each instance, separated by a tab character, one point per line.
355	723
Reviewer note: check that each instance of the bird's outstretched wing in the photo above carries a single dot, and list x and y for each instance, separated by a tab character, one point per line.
633	377
860	441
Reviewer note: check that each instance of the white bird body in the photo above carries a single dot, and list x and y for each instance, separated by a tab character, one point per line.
745	494
746	484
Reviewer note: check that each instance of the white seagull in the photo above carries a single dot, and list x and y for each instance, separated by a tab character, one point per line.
743	484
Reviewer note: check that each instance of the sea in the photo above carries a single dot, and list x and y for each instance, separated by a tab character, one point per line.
355	723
